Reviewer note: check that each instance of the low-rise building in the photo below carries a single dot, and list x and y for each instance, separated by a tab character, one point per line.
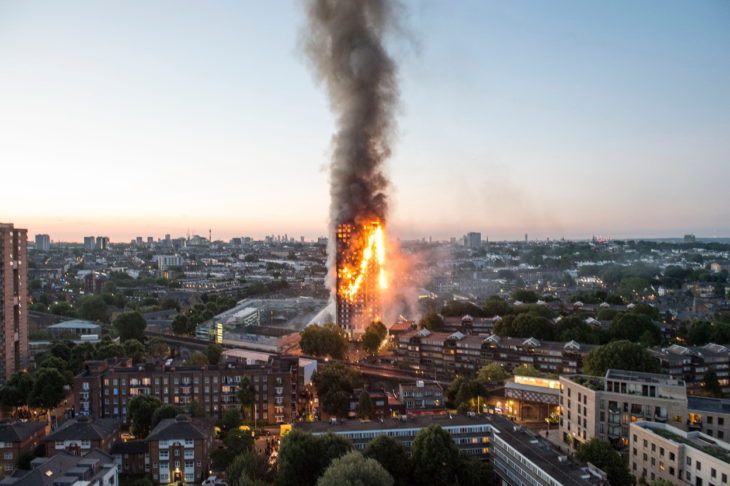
131	456
421	397
661	451
103	389
461	353
82	434
16	438
179	449
519	456
95	468
689	363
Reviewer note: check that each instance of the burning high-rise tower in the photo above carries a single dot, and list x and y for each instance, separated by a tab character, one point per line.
360	266
344	40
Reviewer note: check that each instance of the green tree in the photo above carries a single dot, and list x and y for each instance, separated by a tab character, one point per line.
334	383
647	310
525	325
238	441
496	306
492	373
628	326
526	296
246	394
527	370
231	420
435	457
473	472
130	325
632	287
575	328
165	411
303	457
18	388
699	333
93	308
248	467
140	410
353	469
158	348
197	359
62	309
432	321
374	335
327	340
711	385
622	355
135	350
109	350
365	408
213	352
48	388
392	455
180	324
602	455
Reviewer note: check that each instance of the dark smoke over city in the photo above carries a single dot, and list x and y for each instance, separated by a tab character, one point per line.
344	41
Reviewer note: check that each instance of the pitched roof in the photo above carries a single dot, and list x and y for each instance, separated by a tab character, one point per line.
48	470
20	431
180	427
130	447
83	428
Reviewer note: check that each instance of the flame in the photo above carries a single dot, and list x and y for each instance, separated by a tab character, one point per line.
352	277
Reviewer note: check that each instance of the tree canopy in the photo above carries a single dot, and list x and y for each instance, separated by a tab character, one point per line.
334	383
353	469
327	340
374	335
140	410
130	325
432	321
623	355
392	455
601	454
435	457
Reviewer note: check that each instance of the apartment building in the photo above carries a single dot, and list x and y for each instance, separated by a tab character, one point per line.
604	407
103	389
83	434
421	397
661	451
471	434
459	353
13	299
519	456
16	438
179	449
689	363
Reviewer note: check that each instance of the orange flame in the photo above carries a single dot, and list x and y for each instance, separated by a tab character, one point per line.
352	277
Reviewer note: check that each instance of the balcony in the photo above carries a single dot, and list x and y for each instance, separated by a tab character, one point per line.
694	425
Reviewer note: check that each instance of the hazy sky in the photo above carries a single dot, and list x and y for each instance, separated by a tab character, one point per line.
560	119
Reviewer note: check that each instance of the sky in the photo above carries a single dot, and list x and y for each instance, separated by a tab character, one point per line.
556	119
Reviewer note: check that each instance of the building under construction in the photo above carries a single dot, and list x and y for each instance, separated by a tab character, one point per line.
360	275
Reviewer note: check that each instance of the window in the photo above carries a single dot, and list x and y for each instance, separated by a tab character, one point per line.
698	466
8	456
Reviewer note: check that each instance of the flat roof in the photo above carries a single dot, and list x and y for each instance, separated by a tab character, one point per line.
707	404
75	324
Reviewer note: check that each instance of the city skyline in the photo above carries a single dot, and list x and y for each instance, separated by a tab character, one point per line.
574	120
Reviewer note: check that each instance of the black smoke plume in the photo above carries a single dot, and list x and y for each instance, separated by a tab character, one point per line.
344	40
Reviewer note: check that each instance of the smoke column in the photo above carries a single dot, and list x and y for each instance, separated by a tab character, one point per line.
344	42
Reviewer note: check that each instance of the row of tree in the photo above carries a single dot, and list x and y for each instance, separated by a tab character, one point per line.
329	460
